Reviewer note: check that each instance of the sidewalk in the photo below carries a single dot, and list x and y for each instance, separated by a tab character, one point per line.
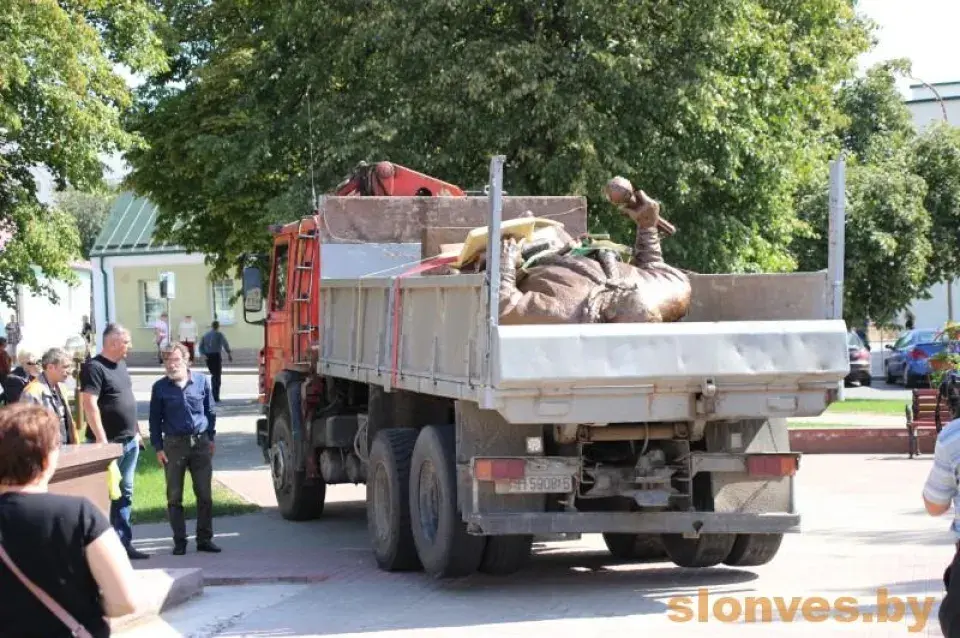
158	370
264	548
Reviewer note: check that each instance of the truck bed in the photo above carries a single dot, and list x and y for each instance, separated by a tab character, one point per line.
771	356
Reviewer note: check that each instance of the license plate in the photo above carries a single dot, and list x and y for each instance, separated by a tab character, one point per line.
536	485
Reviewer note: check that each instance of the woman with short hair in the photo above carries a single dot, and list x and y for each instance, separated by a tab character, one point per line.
64	545
27	370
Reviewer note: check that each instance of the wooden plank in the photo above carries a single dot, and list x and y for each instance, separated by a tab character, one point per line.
402	220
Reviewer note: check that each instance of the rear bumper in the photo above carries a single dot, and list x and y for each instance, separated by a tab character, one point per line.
632	523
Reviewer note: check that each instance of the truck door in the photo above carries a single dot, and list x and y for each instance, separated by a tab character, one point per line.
278	313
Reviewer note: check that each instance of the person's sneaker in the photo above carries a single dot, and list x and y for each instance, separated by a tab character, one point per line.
179	549
208	546
136	554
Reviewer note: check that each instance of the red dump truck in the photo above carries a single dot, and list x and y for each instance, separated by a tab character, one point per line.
474	438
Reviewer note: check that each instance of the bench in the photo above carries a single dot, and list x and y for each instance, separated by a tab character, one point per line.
922	415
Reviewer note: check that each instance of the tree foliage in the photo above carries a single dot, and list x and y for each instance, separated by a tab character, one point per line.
903	201
88	211
936	158
61	102
720	109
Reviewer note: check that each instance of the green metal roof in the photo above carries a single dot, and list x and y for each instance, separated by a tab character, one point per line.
129	229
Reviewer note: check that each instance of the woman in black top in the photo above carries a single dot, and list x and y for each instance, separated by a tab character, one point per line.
64	544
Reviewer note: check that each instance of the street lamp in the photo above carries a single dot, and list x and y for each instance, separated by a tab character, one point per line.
76	347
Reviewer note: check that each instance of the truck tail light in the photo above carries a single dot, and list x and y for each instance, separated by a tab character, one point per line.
499	469
773	464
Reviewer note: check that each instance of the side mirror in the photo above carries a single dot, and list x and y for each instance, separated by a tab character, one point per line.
889	346
252	289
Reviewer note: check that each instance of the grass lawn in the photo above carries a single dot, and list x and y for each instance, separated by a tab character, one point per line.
150	494
890	407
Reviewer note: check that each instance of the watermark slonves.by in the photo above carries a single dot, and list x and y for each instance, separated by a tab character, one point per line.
911	610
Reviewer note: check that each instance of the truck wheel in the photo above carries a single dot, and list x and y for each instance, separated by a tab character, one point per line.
750	550
388	500
298	498
705	551
642	547
445	548
505	555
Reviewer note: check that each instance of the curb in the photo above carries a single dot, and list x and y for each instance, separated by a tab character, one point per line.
216	581
856	440
167	588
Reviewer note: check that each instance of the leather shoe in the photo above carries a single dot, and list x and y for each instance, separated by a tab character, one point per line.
179	549
208	546
136	554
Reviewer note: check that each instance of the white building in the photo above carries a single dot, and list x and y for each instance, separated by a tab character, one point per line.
44	324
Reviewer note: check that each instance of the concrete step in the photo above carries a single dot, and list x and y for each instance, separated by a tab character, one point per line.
163	589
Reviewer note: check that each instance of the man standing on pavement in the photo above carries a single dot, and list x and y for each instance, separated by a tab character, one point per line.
111	410
182	428
188	334
45	390
211	347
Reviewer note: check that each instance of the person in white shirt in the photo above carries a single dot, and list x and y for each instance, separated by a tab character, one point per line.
188	335
161	335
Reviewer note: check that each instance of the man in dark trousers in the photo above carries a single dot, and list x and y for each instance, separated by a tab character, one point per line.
111	410
211	347
182	428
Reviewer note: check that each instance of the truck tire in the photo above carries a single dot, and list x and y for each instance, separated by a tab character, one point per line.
298	498
641	547
388	500
705	551
750	550
445	548
505	555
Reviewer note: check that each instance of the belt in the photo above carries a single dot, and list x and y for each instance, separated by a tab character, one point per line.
193	438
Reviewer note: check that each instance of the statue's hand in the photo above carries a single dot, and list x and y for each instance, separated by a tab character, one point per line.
645	212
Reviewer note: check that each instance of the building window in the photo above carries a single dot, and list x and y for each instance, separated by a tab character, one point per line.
223	301
152	304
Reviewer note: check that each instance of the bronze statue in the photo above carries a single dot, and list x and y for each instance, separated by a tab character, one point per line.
567	286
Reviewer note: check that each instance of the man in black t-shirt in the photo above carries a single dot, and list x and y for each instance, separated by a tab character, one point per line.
111	410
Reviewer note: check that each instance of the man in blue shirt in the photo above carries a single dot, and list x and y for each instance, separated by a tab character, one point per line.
182	428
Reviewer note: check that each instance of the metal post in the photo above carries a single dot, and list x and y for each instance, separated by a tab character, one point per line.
493	240
837	241
493	268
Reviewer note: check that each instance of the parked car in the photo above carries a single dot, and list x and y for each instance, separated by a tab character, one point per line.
909	360
859	361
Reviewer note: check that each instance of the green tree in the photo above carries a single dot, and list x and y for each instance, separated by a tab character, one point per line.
888	227
89	212
718	109
61	100
936	158
887	238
